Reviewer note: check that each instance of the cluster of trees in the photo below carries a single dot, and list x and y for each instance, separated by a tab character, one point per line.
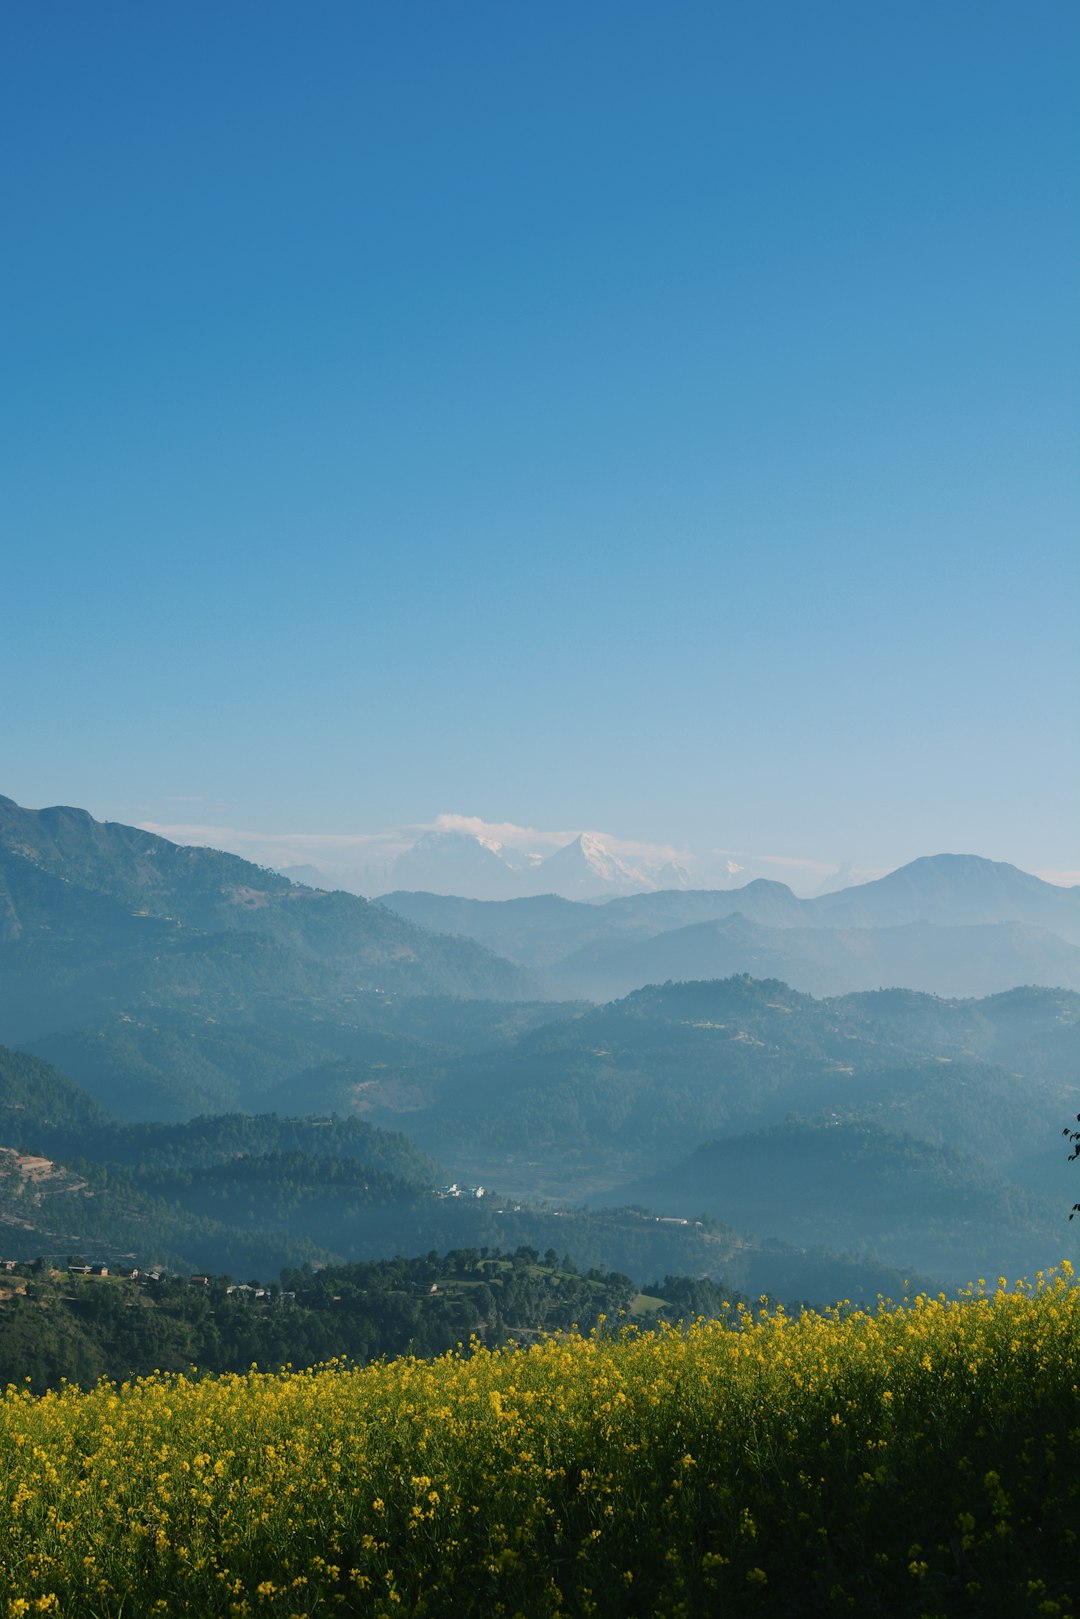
57	1324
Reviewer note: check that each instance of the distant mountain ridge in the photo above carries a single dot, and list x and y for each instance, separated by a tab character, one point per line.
251	1194
61	868
915	1203
953	889
750	1049
980	959
980	926
177	980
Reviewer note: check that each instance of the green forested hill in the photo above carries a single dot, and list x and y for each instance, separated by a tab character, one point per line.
233	1192
248	1194
54	1208
118	919
55	1326
38	1103
209	1142
630	1087
930	1207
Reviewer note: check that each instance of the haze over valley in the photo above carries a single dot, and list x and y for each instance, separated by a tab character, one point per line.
780	1093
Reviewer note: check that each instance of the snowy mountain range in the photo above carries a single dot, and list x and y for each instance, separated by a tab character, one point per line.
483	867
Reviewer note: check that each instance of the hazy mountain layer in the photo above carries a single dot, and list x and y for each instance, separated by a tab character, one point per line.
174	981
543	932
634	1085
249	1195
950	924
953	889
112	910
931	1207
171	1058
971	960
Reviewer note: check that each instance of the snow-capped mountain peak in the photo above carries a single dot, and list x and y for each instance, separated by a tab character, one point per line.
480	864
587	869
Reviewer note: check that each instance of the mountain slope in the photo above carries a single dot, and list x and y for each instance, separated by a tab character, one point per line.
594	1099
952	889
38	1103
951	924
55	863
547	930
174	981
844	1184
951	961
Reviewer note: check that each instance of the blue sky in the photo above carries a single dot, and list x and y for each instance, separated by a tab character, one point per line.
655	418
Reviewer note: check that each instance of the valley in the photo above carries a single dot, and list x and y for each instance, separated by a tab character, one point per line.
234	1074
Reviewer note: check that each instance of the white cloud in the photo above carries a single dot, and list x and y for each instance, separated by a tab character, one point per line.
660	852
500	831
343	850
531	837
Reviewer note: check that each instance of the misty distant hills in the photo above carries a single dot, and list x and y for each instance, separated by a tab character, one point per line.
952	890
951	1114
251	1194
548	929
949	924
951	961
646	1079
95	901
172	980
892	1122
929	1207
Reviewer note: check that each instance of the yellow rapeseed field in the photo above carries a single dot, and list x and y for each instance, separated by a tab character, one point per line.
923	1459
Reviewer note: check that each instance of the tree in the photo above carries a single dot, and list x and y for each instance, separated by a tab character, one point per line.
1074	1137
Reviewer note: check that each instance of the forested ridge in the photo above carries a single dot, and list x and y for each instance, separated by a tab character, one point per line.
69	1324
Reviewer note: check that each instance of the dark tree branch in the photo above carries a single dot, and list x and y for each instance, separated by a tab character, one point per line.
1074	1137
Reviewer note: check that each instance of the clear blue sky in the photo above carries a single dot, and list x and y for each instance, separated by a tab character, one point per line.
654	417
